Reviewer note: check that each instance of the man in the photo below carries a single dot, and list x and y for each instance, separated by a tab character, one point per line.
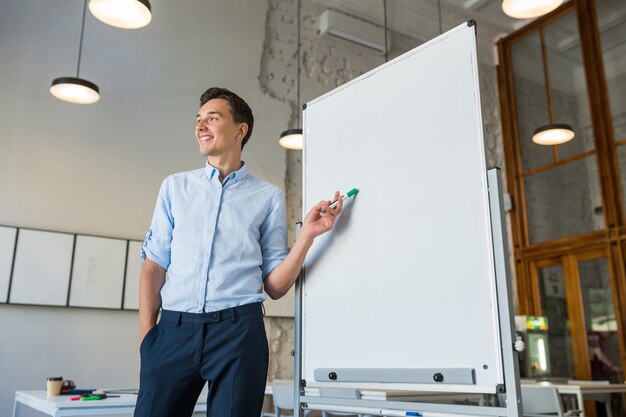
221	235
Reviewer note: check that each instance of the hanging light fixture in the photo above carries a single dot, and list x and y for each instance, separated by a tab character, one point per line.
75	89
527	9
125	14
553	133
293	138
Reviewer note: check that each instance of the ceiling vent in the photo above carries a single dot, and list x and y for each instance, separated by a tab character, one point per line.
347	29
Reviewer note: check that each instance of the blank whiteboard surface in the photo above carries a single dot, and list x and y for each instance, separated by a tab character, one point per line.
406	278
7	249
133	269
42	268
98	272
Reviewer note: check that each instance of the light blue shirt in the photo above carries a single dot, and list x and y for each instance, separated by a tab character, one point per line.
217	241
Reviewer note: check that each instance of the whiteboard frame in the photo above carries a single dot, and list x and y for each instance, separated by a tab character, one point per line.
40	254
510	374
15	278
98	270
8	243
134	264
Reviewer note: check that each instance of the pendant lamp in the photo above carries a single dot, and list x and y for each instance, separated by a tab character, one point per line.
74	89
527	9
293	138
552	133
125	14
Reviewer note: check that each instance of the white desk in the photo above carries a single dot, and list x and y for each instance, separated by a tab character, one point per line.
591	391
61	406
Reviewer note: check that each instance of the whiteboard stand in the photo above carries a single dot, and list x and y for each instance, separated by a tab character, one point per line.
510	390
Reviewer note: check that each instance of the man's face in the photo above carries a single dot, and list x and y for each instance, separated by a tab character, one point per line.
217	133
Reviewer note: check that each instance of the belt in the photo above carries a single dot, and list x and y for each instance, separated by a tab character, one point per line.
213	316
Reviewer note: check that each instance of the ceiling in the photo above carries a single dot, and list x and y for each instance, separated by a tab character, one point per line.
420	18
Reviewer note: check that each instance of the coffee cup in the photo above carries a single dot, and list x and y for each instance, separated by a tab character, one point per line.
53	386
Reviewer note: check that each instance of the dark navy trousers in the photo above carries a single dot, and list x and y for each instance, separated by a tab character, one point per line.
227	348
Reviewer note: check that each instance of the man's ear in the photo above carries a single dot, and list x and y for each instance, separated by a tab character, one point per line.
242	131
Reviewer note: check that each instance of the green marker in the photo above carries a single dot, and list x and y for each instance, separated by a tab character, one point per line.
349	194
92	397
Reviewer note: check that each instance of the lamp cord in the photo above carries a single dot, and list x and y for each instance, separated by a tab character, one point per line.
385	29
439	15
298	109
80	45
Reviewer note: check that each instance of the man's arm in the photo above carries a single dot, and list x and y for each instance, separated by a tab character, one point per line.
150	283
319	220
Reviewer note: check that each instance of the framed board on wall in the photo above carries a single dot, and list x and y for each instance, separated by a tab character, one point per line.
7	251
131	281
98	272
41	271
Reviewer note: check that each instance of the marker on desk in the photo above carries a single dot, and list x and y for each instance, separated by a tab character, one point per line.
349	194
97	397
92	397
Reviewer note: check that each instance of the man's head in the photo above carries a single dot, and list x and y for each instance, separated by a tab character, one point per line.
239	111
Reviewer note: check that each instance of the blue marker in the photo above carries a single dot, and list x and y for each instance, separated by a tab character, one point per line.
400	413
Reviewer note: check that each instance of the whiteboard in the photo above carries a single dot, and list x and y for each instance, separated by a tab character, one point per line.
131	280
7	250
41	272
406	279
98	272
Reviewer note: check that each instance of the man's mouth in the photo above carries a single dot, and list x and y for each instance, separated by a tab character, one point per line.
205	138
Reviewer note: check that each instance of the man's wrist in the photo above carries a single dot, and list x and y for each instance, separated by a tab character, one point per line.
305	239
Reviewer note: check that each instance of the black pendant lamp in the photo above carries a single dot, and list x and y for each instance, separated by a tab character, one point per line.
293	138
552	133
125	14
74	89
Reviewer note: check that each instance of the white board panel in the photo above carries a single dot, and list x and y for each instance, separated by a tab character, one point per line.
406	278
42	268
131	282
98	272
7	250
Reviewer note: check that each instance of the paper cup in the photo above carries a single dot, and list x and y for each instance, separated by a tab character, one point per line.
53	386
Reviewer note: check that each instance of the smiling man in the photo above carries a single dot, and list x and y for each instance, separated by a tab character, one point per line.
221	235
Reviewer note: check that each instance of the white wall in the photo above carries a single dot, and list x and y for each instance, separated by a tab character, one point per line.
96	168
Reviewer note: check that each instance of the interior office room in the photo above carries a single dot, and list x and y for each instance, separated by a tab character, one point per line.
87	175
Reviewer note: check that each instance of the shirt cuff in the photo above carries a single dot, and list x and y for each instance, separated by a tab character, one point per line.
157	255
269	266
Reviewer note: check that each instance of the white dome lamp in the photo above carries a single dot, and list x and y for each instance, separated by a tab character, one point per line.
125	14
553	134
74	89
528	9
291	139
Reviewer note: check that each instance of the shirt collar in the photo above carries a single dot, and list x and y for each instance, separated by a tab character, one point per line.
212	172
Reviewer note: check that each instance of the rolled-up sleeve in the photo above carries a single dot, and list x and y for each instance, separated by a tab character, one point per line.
274	235
157	244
